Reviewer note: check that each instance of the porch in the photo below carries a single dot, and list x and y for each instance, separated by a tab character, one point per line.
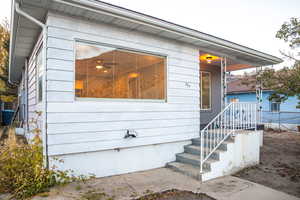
230	132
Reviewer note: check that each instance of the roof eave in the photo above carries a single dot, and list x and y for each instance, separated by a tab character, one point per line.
123	13
175	28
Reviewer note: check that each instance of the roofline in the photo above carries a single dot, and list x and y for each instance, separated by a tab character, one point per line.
128	14
147	20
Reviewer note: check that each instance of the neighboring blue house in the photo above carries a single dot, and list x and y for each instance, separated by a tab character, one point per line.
284	113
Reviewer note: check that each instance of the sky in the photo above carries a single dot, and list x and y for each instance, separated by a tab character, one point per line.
252	23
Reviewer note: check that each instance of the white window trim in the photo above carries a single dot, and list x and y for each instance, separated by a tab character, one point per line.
165	100
210	95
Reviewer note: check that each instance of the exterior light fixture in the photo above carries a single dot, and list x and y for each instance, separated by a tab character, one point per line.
209	59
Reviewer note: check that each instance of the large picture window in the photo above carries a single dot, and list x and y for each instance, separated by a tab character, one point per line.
107	72
205	90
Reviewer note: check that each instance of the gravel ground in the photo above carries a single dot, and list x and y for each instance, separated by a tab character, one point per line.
280	163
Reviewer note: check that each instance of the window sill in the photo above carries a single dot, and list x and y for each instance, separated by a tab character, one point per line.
206	110
121	100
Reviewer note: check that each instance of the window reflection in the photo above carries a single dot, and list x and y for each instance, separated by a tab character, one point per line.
105	72
205	85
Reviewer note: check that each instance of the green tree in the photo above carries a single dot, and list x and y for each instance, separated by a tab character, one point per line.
290	32
285	82
7	91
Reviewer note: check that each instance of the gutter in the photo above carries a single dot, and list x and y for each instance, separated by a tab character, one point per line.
44	96
24	14
143	19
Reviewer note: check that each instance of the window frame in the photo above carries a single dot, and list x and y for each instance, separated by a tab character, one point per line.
38	74
277	104
210	89
128	49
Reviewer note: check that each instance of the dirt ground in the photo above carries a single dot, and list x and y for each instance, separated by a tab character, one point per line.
280	163
175	194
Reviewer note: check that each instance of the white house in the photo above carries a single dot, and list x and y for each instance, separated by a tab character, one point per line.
121	91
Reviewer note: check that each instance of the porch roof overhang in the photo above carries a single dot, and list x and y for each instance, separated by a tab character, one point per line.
24	33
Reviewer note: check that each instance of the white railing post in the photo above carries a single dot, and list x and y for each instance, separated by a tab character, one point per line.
233	117
241	115
201	152
255	121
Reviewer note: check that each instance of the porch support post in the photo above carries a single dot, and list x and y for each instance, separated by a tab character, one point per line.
259	93
223	82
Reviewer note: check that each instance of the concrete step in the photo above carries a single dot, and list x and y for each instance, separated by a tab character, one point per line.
195	149
223	146
188	162
186	169
194	160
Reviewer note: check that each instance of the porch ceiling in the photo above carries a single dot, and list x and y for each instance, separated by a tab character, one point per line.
24	32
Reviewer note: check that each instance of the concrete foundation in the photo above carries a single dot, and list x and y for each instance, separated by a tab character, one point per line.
121	161
241	153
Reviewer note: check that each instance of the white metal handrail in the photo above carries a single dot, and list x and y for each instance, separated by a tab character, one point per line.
235	116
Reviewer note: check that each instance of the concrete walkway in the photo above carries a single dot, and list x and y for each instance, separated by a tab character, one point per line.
133	185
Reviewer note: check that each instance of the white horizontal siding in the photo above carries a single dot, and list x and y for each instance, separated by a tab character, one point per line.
81	125
116	125
33	105
64	86
69	138
178	84
32	96
59	149
56	64
60	75
58	22
59	97
183	70
60	43
183	77
61	118
60	53
182	92
117	106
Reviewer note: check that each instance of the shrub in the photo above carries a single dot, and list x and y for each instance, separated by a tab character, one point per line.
22	170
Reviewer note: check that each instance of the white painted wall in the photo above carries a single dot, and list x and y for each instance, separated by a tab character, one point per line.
33	104
243	152
113	162
87	126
